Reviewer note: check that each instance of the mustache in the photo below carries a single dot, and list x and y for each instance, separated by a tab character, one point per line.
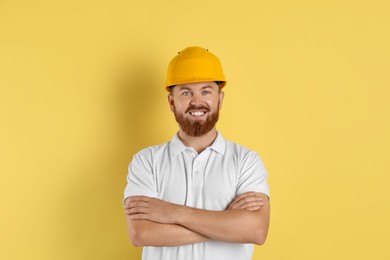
192	107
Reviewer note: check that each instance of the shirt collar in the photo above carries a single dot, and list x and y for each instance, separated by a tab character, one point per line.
177	146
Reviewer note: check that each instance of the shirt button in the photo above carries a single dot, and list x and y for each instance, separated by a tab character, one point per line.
196	173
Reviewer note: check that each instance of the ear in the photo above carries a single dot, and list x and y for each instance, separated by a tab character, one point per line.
221	96
171	101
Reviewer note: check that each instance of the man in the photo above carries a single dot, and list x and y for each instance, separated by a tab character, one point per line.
198	196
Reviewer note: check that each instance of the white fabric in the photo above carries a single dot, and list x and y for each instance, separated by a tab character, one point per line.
209	180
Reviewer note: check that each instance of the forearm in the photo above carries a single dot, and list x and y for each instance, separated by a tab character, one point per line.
148	233
235	226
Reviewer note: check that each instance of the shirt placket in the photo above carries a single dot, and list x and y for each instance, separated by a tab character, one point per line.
198	177
195	179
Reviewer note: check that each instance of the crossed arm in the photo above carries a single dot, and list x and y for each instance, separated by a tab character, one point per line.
154	222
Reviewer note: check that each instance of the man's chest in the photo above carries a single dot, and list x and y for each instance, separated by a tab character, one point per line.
209	183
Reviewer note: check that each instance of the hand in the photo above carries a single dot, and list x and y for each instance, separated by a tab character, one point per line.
251	201
142	207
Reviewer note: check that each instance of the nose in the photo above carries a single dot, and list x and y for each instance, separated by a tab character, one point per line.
196	99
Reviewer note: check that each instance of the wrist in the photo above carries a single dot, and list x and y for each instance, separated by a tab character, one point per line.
182	214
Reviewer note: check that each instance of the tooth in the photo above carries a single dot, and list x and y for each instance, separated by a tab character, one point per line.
197	113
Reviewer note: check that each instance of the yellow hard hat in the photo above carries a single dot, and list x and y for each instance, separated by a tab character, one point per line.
194	64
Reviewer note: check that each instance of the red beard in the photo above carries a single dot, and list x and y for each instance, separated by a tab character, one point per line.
196	128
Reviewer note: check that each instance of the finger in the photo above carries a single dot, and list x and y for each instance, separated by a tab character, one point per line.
136	210
249	204
252	204
127	201
140	198
245	200
235	204
134	204
239	198
139	216
130	200
245	194
259	195
254	208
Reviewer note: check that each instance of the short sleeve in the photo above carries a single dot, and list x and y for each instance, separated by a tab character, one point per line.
253	175
140	178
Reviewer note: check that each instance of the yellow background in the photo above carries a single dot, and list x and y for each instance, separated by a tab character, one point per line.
82	91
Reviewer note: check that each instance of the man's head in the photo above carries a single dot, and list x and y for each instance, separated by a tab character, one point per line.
196	106
195	79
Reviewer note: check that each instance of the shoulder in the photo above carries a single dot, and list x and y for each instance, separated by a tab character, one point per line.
238	149
242	154
153	151
149	156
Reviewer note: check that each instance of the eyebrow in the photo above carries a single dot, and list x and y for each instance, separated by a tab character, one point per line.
208	86
204	87
183	88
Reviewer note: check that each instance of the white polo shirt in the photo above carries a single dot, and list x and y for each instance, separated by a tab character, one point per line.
210	180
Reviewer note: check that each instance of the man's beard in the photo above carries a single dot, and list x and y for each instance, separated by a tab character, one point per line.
196	128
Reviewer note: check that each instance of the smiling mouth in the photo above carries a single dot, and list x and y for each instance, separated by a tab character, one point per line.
197	113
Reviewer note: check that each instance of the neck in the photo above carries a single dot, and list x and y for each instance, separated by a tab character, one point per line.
199	143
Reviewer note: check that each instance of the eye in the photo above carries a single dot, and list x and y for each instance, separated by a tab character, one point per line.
206	92
185	93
